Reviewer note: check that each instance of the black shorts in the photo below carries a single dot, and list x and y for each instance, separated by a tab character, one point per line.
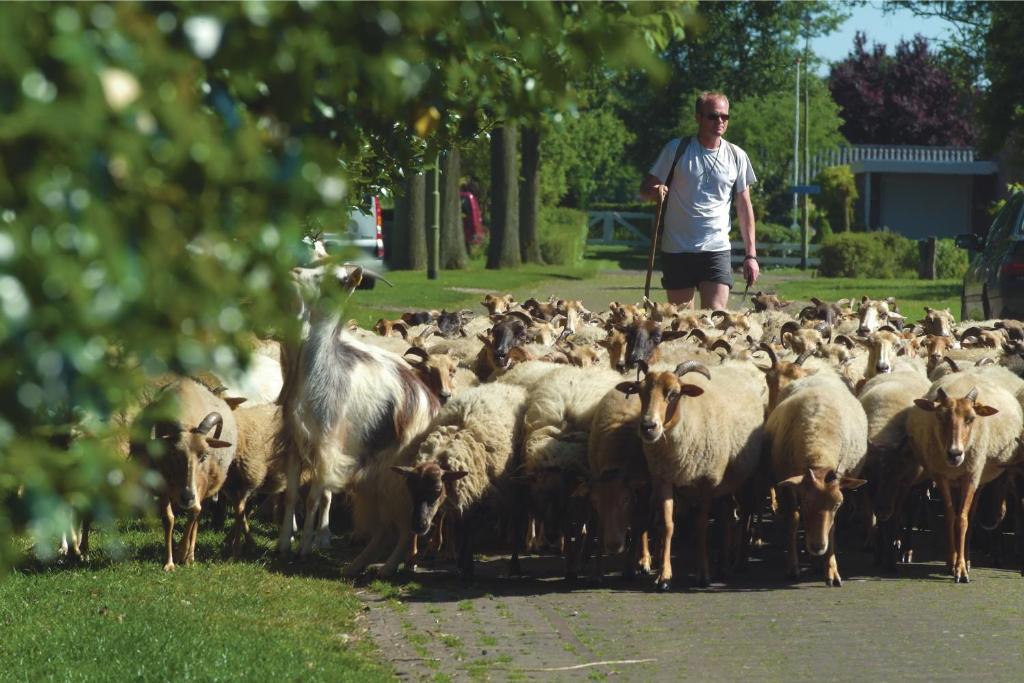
685	270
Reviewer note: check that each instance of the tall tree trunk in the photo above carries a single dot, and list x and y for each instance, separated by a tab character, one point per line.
453	239
529	198
504	248
396	239
417	224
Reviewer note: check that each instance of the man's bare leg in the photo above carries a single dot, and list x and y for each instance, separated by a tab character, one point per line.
681	297
713	295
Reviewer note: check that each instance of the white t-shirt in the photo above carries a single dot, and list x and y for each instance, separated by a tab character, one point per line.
698	203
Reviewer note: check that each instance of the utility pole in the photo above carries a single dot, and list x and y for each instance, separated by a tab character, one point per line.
806	241
435	226
796	152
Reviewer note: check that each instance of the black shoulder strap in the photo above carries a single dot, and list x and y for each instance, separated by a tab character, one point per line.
680	149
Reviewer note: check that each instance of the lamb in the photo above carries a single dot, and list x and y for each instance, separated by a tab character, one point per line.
555	433
619	481
958	449
709	443
887	400
193	464
817	442
463	464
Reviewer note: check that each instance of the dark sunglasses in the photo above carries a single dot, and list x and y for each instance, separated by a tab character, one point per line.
715	117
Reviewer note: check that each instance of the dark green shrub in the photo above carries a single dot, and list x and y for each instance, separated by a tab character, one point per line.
868	254
562	235
774	232
950	260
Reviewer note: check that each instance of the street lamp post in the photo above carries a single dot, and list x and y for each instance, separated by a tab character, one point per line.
796	150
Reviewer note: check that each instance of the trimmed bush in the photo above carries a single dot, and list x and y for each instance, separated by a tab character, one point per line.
774	232
868	254
562	235
950	260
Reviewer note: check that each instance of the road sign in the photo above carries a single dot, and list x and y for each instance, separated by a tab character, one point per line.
805	189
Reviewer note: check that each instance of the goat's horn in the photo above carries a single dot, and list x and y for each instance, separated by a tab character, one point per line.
719	313
767	348
974	331
972	395
699	333
721	344
803	356
987	360
522	315
417	351
211	421
692	366
372	273
844	340
952	363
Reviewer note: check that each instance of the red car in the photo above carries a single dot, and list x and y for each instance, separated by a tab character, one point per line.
472	223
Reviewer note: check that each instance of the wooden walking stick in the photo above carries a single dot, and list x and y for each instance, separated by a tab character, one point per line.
656	233
655	236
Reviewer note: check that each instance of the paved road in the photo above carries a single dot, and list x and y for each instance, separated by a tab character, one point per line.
918	626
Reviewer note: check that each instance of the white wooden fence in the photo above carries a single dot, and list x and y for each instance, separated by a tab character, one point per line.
634	230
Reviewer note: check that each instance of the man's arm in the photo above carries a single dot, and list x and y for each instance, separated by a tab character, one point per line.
745	213
652	189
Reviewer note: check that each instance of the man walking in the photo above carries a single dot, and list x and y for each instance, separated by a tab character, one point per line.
710	174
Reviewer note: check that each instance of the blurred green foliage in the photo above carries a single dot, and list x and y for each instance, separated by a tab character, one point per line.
868	255
838	193
159	164
562	235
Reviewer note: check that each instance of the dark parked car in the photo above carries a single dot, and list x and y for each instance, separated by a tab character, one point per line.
994	282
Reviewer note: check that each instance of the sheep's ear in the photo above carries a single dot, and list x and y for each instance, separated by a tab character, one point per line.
984	411
628	388
924	404
403	470
690	390
792	481
851	482
234	402
218	443
454	475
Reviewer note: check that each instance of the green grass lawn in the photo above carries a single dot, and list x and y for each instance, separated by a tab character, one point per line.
911	295
127	619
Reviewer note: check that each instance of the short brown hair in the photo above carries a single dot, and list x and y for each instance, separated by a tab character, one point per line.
706	96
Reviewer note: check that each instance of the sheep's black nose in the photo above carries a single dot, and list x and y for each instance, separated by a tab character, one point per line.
649	425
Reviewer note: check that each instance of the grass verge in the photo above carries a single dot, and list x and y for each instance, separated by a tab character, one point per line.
911	295
217	620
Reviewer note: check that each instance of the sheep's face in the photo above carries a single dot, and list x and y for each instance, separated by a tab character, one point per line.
185	465
883	347
939	323
615	344
779	376
955	418
935	349
803	340
503	337
437	371
428	485
871	314
498	304
660	394
819	494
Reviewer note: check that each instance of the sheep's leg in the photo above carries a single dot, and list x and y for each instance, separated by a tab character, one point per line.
400	552
284	537
961	567
520	522
466	547
240	529
703	515
413	559
187	545
316	491
83	542
951	515
645	561
663	495
363	559
323	531
167	517
832	577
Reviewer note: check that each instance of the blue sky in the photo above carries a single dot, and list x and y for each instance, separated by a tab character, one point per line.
887	29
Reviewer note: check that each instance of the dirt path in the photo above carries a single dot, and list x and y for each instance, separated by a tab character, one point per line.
920	626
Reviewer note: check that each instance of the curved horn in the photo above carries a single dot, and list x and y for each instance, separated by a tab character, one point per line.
648	304
211	421
692	366
974	331
987	360
790	326
372	273
824	329
802	357
844	340
972	395
699	334
952	363
522	315
767	348
417	351
888	328
721	344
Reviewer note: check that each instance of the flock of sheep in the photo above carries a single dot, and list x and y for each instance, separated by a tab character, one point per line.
546	423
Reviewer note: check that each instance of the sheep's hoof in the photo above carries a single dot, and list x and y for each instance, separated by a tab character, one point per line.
834	583
963	578
663	586
169	567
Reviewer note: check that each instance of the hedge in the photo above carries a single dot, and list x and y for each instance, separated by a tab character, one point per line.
562	235
885	255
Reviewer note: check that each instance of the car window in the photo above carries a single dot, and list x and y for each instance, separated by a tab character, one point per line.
1007	221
